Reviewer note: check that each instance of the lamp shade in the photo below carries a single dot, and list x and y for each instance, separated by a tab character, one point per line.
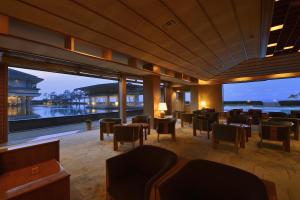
203	103
162	107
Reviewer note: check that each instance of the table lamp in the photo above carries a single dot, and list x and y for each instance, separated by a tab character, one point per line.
162	107
203	104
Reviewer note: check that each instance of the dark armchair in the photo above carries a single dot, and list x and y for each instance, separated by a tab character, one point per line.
204	122
295	113
276	131
241	119
186	118
126	133
107	126
235	112
203	111
228	133
277	114
165	126
294	128
202	179
130	176
142	119
255	115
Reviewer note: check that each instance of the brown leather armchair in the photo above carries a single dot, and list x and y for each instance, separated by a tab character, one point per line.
235	112
186	118
107	126
241	119
276	131
130	176
203	111
228	133
141	119
295	113
165	126
277	114
203	179
255	115
204	122
294	128
126	133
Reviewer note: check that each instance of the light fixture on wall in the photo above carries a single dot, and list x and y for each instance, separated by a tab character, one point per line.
203	104
162	107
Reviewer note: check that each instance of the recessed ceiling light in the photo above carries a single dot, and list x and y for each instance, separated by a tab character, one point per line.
276	0
274	28
269	55
272	45
288	47
299	50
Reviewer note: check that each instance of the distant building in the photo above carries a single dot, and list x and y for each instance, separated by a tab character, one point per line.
106	95
22	88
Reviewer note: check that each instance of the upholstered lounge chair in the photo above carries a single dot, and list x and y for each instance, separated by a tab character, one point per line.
131	175
205	122
202	179
107	126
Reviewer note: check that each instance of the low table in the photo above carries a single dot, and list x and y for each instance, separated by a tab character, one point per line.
145	128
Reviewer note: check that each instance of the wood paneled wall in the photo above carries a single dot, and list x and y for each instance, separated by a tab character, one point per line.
151	96
122	98
212	95
3	102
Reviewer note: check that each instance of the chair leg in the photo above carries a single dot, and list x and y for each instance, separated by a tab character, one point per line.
133	144
194	132
115	145
157	137
173	136
101	135
208	134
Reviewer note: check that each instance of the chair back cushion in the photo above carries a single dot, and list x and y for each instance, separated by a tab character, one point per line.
241	119
152	162
225	132
141	119
271	130
277	114
160	124
126	132
202	179
295	113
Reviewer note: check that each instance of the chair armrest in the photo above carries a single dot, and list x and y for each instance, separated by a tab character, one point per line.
271	190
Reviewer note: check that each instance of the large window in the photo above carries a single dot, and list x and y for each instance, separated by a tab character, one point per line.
187	97
281	95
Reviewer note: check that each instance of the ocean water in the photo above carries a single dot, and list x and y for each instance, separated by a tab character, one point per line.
263	108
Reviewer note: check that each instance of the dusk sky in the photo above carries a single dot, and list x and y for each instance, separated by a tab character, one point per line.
61	82
270	90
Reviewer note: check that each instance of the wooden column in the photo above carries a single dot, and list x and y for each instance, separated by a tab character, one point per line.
3	101
4	23
168	98
107	54
122	98
151	96
69	43
194	105
212	95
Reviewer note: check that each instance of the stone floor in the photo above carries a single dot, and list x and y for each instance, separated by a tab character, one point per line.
83	156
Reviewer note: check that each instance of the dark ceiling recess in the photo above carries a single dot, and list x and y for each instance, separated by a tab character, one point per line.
286	39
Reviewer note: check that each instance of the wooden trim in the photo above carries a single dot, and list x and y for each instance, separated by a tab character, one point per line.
4	22
122	98
107	54
69	43
3	102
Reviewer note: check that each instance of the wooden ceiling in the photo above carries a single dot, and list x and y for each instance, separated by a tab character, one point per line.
287	13
200	38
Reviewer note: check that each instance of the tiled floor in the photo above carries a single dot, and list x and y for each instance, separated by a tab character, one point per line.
83	156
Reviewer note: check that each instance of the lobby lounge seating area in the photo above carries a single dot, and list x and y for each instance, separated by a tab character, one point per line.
178	56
